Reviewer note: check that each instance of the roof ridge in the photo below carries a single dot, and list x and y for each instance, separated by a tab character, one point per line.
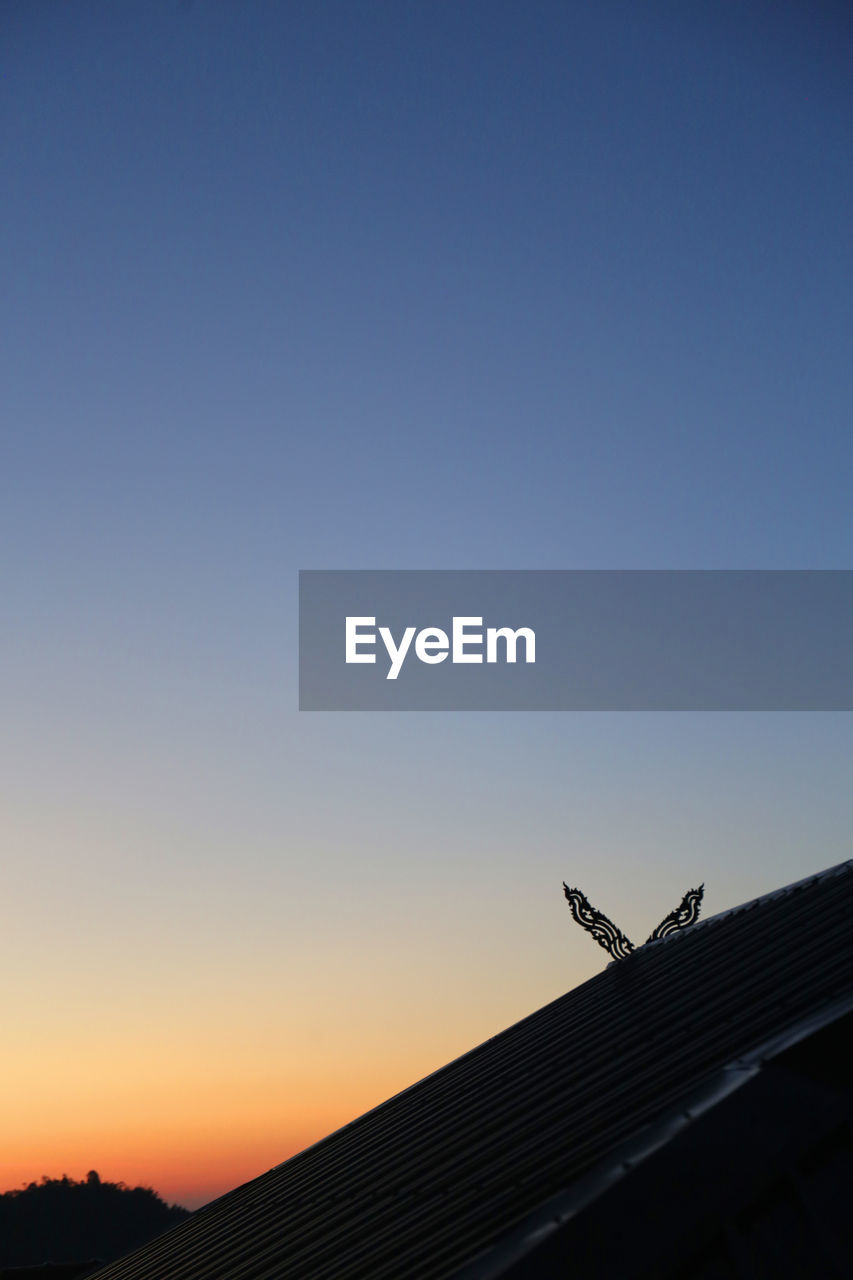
828	873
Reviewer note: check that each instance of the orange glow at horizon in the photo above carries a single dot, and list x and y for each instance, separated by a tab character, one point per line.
192	1059
193	1107
188	1150
191	1139
190	1174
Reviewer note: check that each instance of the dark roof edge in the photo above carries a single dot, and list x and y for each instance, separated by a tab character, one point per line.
828	873
401	1093
559	1209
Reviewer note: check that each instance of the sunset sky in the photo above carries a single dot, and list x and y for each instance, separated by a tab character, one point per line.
400	284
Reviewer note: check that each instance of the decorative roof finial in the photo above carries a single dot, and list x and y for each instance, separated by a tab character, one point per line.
687	912
603	930
613	940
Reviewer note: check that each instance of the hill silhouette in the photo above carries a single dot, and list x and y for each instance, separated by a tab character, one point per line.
59	1220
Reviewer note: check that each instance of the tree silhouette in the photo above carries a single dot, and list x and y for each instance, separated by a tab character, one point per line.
60	1220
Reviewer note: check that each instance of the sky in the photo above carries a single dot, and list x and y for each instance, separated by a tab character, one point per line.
382	285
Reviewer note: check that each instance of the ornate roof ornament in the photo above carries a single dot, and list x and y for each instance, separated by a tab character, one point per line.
687	912
595	922
613	940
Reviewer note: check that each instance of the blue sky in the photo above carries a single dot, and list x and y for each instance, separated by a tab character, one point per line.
419	285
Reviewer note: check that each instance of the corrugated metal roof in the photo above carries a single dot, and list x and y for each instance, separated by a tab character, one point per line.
442	1173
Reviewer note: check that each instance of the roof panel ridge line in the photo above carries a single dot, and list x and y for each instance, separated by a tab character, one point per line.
804	1027
566	1204
829	873
491	1263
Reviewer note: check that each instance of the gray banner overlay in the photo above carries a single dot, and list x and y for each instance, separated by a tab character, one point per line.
586	640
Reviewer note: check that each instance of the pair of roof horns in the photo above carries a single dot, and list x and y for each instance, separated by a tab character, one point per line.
613	940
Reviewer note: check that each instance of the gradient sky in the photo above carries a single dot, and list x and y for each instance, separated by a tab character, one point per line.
355	284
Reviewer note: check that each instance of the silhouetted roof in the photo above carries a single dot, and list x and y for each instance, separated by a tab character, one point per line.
480	1169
